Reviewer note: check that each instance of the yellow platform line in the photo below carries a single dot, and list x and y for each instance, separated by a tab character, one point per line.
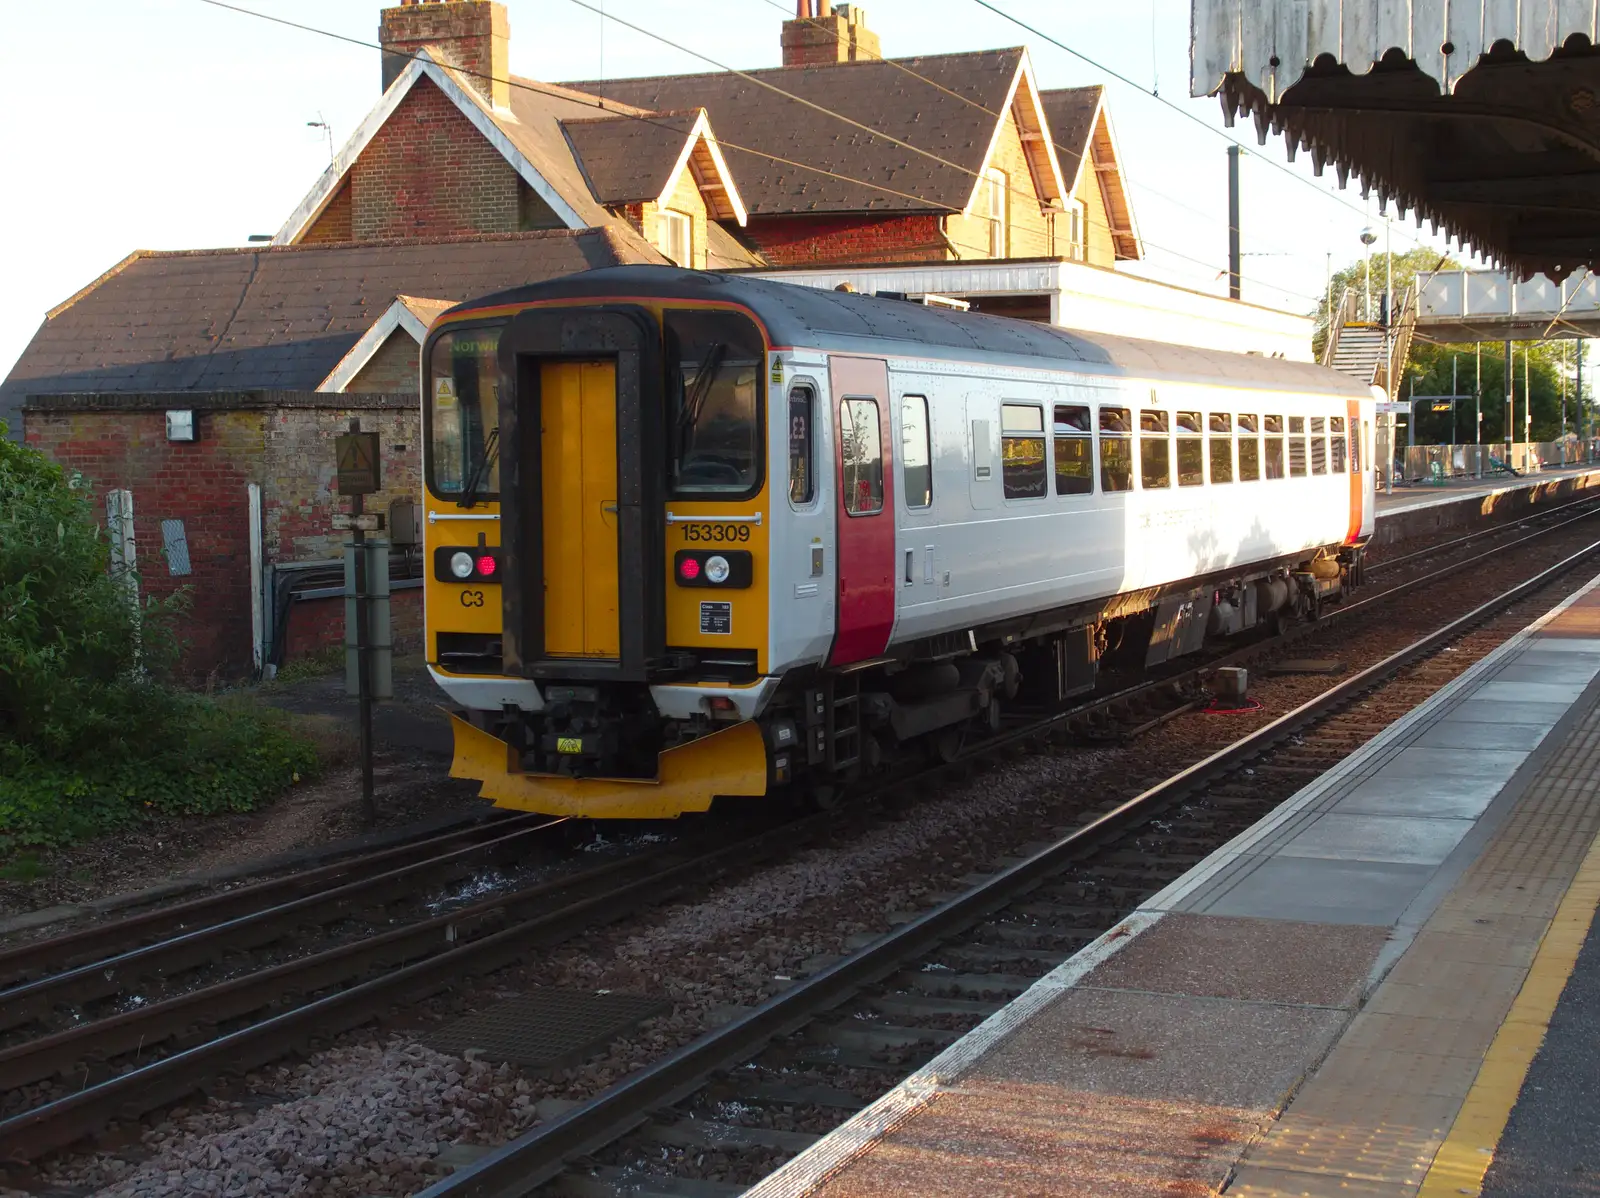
1467	1152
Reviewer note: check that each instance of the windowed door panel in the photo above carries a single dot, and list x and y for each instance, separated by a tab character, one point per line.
865	488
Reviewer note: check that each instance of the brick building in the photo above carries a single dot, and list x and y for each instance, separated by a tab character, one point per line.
262	355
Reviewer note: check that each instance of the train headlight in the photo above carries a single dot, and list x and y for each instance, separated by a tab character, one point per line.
461	564
717	569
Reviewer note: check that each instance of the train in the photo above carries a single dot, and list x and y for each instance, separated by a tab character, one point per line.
695	537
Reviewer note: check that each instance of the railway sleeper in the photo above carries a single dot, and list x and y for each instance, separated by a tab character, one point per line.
705	1133
609	1181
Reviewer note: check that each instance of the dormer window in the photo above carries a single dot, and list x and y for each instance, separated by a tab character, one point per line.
675	236
993	206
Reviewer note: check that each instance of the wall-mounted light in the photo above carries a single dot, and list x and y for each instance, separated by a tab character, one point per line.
180	424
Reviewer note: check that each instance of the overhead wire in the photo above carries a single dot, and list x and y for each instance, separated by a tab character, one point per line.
601	104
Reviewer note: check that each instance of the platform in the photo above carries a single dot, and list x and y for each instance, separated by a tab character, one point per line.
1494	490
1346	999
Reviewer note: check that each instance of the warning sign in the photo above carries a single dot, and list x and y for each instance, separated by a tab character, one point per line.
357	455
716	619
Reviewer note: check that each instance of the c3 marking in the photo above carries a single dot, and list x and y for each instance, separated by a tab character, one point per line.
471	598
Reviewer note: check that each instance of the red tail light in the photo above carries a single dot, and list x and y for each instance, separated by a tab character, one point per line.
486	566
689	568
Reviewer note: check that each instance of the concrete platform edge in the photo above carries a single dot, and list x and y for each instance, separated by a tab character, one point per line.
867	1126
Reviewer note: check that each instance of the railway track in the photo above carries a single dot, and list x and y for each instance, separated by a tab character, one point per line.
737	1095
111	1022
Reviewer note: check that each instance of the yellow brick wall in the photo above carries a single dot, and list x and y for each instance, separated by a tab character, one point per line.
1101	250
1029	226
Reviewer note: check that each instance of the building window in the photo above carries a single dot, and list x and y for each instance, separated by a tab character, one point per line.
1076	221
994	210
676	233
1022	451
916	451
1074	451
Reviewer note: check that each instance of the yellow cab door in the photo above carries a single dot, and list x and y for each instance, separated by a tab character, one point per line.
578	412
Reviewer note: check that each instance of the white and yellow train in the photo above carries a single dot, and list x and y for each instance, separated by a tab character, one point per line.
695	535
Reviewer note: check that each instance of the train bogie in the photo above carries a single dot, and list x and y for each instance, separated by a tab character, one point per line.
742	536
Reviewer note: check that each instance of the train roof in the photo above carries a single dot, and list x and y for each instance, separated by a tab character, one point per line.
809	317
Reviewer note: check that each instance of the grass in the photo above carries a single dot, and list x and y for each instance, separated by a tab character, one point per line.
316	665
24	867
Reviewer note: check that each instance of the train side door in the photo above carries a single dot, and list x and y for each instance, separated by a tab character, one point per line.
865	482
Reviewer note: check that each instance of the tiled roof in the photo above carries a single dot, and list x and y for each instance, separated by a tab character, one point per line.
789	157
273	318
627	158
1071	112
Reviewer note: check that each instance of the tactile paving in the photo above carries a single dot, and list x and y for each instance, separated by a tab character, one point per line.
545	1028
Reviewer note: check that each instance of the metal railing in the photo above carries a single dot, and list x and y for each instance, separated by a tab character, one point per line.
1435	463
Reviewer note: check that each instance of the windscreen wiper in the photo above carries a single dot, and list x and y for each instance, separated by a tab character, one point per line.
480	469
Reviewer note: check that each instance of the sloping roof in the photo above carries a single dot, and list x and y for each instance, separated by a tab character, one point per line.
1071	112
409	314
627	159
1081	129
275	318
790	157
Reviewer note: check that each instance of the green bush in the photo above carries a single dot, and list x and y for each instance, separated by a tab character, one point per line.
92	733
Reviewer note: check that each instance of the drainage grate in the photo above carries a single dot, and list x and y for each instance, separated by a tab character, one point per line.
547	1027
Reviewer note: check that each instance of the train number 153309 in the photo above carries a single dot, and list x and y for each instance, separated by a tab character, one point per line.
716	532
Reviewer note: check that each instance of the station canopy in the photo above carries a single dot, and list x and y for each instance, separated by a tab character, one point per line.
1479	116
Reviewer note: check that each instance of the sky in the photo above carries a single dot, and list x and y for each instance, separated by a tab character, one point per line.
177	124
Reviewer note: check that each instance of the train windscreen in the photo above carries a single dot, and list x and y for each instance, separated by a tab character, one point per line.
714	388
463	416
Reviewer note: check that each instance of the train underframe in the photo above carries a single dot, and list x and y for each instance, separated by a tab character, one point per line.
604	750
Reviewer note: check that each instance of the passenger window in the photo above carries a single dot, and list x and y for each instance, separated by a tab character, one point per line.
1116	449
1074	451
916	451
1155	461
1022	461
1191	454
1220	426
1297	447
1337	443
1272	445
1249	449
861	453
802	485
1319	445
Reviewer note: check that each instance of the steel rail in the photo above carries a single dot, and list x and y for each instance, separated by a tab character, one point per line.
534	923
1391	562
518	1168
24	961
23	1003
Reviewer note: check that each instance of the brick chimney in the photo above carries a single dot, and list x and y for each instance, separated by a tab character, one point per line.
822	33
469	35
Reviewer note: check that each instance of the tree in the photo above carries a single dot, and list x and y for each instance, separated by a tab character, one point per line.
1548	366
